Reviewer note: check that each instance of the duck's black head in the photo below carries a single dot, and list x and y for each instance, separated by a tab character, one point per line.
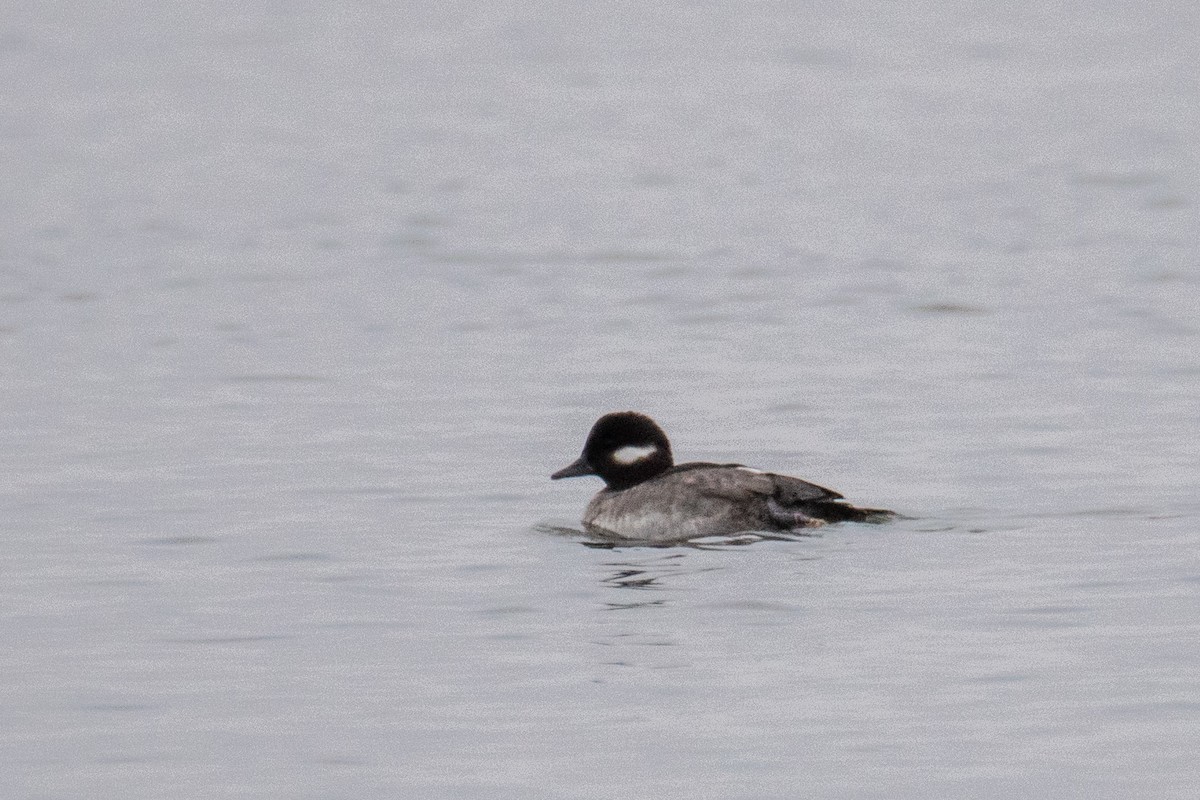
624	448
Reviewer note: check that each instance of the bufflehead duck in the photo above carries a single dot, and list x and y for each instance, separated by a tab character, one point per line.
648	497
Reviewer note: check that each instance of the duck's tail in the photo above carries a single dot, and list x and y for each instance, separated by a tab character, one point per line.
813	513
844	512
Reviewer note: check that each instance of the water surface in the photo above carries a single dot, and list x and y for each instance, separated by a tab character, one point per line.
300	306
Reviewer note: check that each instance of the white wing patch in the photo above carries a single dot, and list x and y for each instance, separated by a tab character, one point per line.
752	470
631	454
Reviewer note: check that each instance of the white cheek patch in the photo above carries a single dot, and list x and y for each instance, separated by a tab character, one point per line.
631	454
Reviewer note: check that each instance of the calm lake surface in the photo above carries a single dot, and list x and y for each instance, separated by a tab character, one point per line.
301	304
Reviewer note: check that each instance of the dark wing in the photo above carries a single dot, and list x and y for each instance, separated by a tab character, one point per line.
796	497
789	491
736	482
783	500
726	481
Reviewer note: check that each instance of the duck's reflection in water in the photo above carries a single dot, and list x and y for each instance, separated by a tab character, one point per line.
657	567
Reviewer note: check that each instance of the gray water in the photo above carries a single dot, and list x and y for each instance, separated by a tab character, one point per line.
301	303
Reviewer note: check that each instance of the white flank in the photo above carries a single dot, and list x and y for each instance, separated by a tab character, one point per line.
631	454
